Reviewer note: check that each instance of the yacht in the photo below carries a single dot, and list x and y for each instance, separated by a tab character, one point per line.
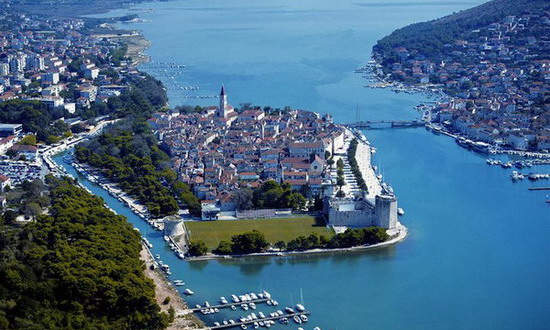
233	307
243	326
303	317
223	300
290	310
188	292
252	305
300	307
297	319
400	211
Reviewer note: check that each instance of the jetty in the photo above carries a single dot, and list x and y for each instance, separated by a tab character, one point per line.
268	318
380	124
229	304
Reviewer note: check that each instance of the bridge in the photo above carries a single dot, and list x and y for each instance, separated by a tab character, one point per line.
386	124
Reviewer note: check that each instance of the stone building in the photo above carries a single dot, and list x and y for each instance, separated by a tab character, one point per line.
360	212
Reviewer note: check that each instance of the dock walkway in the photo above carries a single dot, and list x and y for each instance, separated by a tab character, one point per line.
220	306
269	318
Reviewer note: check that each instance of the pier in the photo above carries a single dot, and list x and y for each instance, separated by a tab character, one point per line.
379	124
269	318
229	304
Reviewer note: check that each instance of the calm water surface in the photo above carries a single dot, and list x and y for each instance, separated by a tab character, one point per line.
478	252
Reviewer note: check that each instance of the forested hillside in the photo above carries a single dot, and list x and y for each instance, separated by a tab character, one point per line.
429	38
76	267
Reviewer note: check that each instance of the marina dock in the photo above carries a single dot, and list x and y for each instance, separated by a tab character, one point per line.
229	304
269	318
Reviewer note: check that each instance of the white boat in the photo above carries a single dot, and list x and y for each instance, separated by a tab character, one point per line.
252	305
188	292
300	307
303	317
243	326
223	300
233	307
166	238
400	211
297	319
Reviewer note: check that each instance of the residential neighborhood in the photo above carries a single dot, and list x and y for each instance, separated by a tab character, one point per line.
498	78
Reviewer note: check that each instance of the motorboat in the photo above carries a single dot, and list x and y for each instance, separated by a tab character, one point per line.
300	307
188	292
297	319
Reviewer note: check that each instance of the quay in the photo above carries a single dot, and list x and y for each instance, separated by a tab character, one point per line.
269	318
220	306
387	124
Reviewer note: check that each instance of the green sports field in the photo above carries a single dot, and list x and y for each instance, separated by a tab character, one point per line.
284	229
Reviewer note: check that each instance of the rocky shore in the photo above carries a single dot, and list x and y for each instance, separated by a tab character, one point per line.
183	316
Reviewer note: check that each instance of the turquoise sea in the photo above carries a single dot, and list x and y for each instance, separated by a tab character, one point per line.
478	253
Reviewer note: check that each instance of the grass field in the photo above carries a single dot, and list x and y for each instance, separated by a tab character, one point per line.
284	229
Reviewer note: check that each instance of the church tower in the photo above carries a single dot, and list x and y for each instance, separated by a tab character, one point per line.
222	110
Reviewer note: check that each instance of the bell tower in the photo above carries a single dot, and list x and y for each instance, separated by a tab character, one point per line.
222	110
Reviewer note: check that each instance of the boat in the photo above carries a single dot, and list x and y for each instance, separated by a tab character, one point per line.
243	326
400	211
166	238
233	307
157	256
303	317
252	305
188	292
297	319
289	310
223	300
300	307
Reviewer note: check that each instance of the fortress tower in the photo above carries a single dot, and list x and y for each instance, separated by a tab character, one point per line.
173	226
385	211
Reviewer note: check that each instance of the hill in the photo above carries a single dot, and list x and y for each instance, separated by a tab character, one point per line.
430	37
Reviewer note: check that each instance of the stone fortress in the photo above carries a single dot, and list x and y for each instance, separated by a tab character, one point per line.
361	211
375	207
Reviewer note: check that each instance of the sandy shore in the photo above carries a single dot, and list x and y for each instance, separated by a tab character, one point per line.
135	41
184	318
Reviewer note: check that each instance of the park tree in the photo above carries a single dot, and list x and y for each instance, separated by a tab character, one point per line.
197	248
250	242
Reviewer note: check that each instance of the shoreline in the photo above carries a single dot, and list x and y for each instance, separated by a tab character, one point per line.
184	318
396	87
402	233
134	40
